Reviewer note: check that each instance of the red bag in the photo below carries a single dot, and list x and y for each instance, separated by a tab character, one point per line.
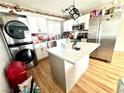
16	73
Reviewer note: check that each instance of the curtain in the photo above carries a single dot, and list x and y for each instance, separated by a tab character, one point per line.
54	27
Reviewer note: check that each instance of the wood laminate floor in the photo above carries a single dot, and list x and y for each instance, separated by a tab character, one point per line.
100	77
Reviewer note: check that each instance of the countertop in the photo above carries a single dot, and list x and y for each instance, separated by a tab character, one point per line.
42	44
39	45
72	55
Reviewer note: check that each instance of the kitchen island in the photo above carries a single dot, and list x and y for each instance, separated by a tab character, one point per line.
68	64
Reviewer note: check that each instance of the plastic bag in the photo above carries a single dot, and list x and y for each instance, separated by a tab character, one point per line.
120	87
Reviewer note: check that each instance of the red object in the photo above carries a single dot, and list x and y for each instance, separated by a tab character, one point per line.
16	73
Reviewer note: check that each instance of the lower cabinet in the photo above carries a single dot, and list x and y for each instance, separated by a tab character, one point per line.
40	49
45	53
41	52
60	42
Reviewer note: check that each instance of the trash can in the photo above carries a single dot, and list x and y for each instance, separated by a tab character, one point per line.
16	74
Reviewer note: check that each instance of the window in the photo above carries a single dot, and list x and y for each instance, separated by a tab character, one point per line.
54	27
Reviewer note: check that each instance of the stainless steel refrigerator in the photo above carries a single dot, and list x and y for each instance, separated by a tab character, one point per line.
104	30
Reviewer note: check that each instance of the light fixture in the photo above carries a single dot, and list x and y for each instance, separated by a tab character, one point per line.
73	11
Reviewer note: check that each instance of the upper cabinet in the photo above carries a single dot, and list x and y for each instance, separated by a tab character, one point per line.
33	24
42	24
82	19
37	24
68	25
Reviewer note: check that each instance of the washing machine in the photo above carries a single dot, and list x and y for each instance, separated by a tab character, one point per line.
15	28
18	38
25	53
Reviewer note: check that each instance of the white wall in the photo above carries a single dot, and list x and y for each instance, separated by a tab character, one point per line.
4	60
119	46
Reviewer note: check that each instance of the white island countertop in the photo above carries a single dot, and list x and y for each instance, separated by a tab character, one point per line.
71	55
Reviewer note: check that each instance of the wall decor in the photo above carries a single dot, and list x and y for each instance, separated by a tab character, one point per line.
18	8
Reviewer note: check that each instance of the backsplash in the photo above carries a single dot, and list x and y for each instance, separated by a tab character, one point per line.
42	37
35	38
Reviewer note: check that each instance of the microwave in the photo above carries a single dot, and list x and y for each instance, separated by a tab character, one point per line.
78	27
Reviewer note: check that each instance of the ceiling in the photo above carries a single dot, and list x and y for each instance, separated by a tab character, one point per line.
55	6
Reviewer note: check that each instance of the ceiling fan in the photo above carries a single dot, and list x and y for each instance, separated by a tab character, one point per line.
73	11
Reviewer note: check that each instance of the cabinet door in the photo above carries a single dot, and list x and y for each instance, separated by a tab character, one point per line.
60	42
42	24
84	19
68	25
45	52
65	26
39	53
33	24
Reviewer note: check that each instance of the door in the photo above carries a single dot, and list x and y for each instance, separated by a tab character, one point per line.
109	28
16	29
45	52
39	53
25	55
68	25
16	32
93	32
93	29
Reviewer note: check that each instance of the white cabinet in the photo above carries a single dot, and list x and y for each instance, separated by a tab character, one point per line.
41	52
45	53
42	24
82	19
68	25
40	49
60	42
33	24
37	24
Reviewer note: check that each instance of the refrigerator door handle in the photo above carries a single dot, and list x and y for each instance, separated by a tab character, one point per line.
99	32
99	36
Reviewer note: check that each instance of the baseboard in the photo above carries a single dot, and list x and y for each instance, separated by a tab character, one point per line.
5	91
43	59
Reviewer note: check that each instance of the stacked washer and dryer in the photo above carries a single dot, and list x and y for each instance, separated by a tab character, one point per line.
16	33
